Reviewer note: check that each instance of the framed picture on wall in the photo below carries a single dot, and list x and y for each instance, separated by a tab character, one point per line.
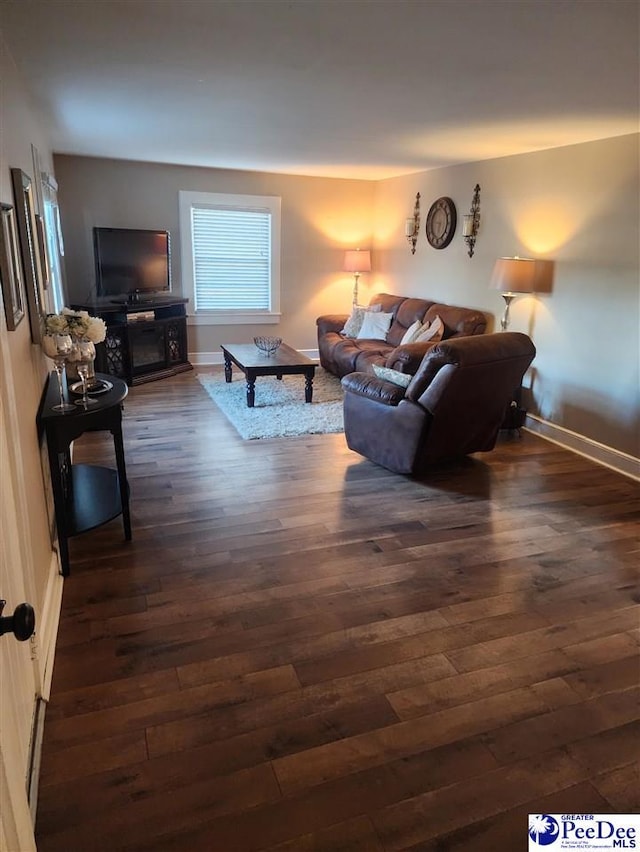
10	268
42	246
29	249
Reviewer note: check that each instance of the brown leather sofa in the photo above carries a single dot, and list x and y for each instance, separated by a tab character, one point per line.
342	355
454	405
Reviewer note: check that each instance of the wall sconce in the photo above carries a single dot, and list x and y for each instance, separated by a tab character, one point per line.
471	221
412	226
356	261
513	275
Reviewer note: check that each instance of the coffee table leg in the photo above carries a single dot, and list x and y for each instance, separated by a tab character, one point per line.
308	387
251	390
227	368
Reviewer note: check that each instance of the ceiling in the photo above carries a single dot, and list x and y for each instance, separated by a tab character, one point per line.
343	88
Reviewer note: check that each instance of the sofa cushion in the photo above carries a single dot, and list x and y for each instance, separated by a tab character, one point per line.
405	312
408	312
371	354
458	322
348	355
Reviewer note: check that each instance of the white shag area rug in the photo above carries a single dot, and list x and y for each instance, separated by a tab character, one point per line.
280	409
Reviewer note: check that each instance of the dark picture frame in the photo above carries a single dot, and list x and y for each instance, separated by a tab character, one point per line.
10	269
29	249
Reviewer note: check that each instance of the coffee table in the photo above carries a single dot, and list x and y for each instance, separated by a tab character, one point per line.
286	361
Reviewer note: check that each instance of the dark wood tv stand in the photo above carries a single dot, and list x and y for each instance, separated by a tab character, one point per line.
146	340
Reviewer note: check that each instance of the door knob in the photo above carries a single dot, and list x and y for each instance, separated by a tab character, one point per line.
22	623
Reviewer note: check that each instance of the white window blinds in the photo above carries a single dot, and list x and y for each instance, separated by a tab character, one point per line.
231	258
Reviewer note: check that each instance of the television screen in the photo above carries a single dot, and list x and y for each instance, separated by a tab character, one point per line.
131	262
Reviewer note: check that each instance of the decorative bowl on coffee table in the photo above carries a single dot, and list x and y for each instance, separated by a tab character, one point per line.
267	345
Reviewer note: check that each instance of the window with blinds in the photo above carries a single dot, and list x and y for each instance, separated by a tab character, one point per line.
232	259
230	256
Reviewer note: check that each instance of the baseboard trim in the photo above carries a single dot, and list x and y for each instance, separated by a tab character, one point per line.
47	629
210	359
600	453
35	758
45	640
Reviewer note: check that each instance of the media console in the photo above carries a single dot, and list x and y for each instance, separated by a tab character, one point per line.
146	340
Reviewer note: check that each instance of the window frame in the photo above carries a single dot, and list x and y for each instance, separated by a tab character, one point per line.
232	201
54	242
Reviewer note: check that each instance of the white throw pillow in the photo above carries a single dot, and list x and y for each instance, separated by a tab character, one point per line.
411	332
432	332
354	323
395	376
375	326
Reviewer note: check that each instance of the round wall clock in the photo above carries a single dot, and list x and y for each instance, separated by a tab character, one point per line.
441	222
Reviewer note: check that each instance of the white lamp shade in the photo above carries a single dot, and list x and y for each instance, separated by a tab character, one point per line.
357	261
514	275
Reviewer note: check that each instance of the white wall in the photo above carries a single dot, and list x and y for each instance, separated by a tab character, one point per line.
320	218
577	206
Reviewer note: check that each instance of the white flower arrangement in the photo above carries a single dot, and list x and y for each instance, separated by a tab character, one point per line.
77	324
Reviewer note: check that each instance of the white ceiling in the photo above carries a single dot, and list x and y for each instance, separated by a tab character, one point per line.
342	88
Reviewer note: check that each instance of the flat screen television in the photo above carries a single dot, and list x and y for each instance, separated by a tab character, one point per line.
132	264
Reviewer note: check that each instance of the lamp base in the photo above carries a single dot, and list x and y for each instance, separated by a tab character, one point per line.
504	322
356	275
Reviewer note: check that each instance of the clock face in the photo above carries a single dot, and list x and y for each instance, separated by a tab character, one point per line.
441	222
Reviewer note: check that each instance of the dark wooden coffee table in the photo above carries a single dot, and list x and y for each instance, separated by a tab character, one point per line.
286	361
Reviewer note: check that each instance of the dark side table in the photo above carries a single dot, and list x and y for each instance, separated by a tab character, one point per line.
84	496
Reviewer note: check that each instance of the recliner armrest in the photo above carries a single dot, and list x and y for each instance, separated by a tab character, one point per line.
408	357
331	322
364	384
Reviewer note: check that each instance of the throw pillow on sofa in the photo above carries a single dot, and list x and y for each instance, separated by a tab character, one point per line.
394	376
375	326
410	334
431	332
354	323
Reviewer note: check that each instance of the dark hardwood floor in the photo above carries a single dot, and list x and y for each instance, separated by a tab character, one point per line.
302	651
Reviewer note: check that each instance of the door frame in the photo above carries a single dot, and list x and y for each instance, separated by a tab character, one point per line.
20	688
26	666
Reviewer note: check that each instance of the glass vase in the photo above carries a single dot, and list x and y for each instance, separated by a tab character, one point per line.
72	366
86	353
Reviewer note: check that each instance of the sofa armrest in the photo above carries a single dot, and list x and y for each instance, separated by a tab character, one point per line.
379	390
407	358
331	322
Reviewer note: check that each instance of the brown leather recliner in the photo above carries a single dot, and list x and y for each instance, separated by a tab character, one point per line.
453	406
